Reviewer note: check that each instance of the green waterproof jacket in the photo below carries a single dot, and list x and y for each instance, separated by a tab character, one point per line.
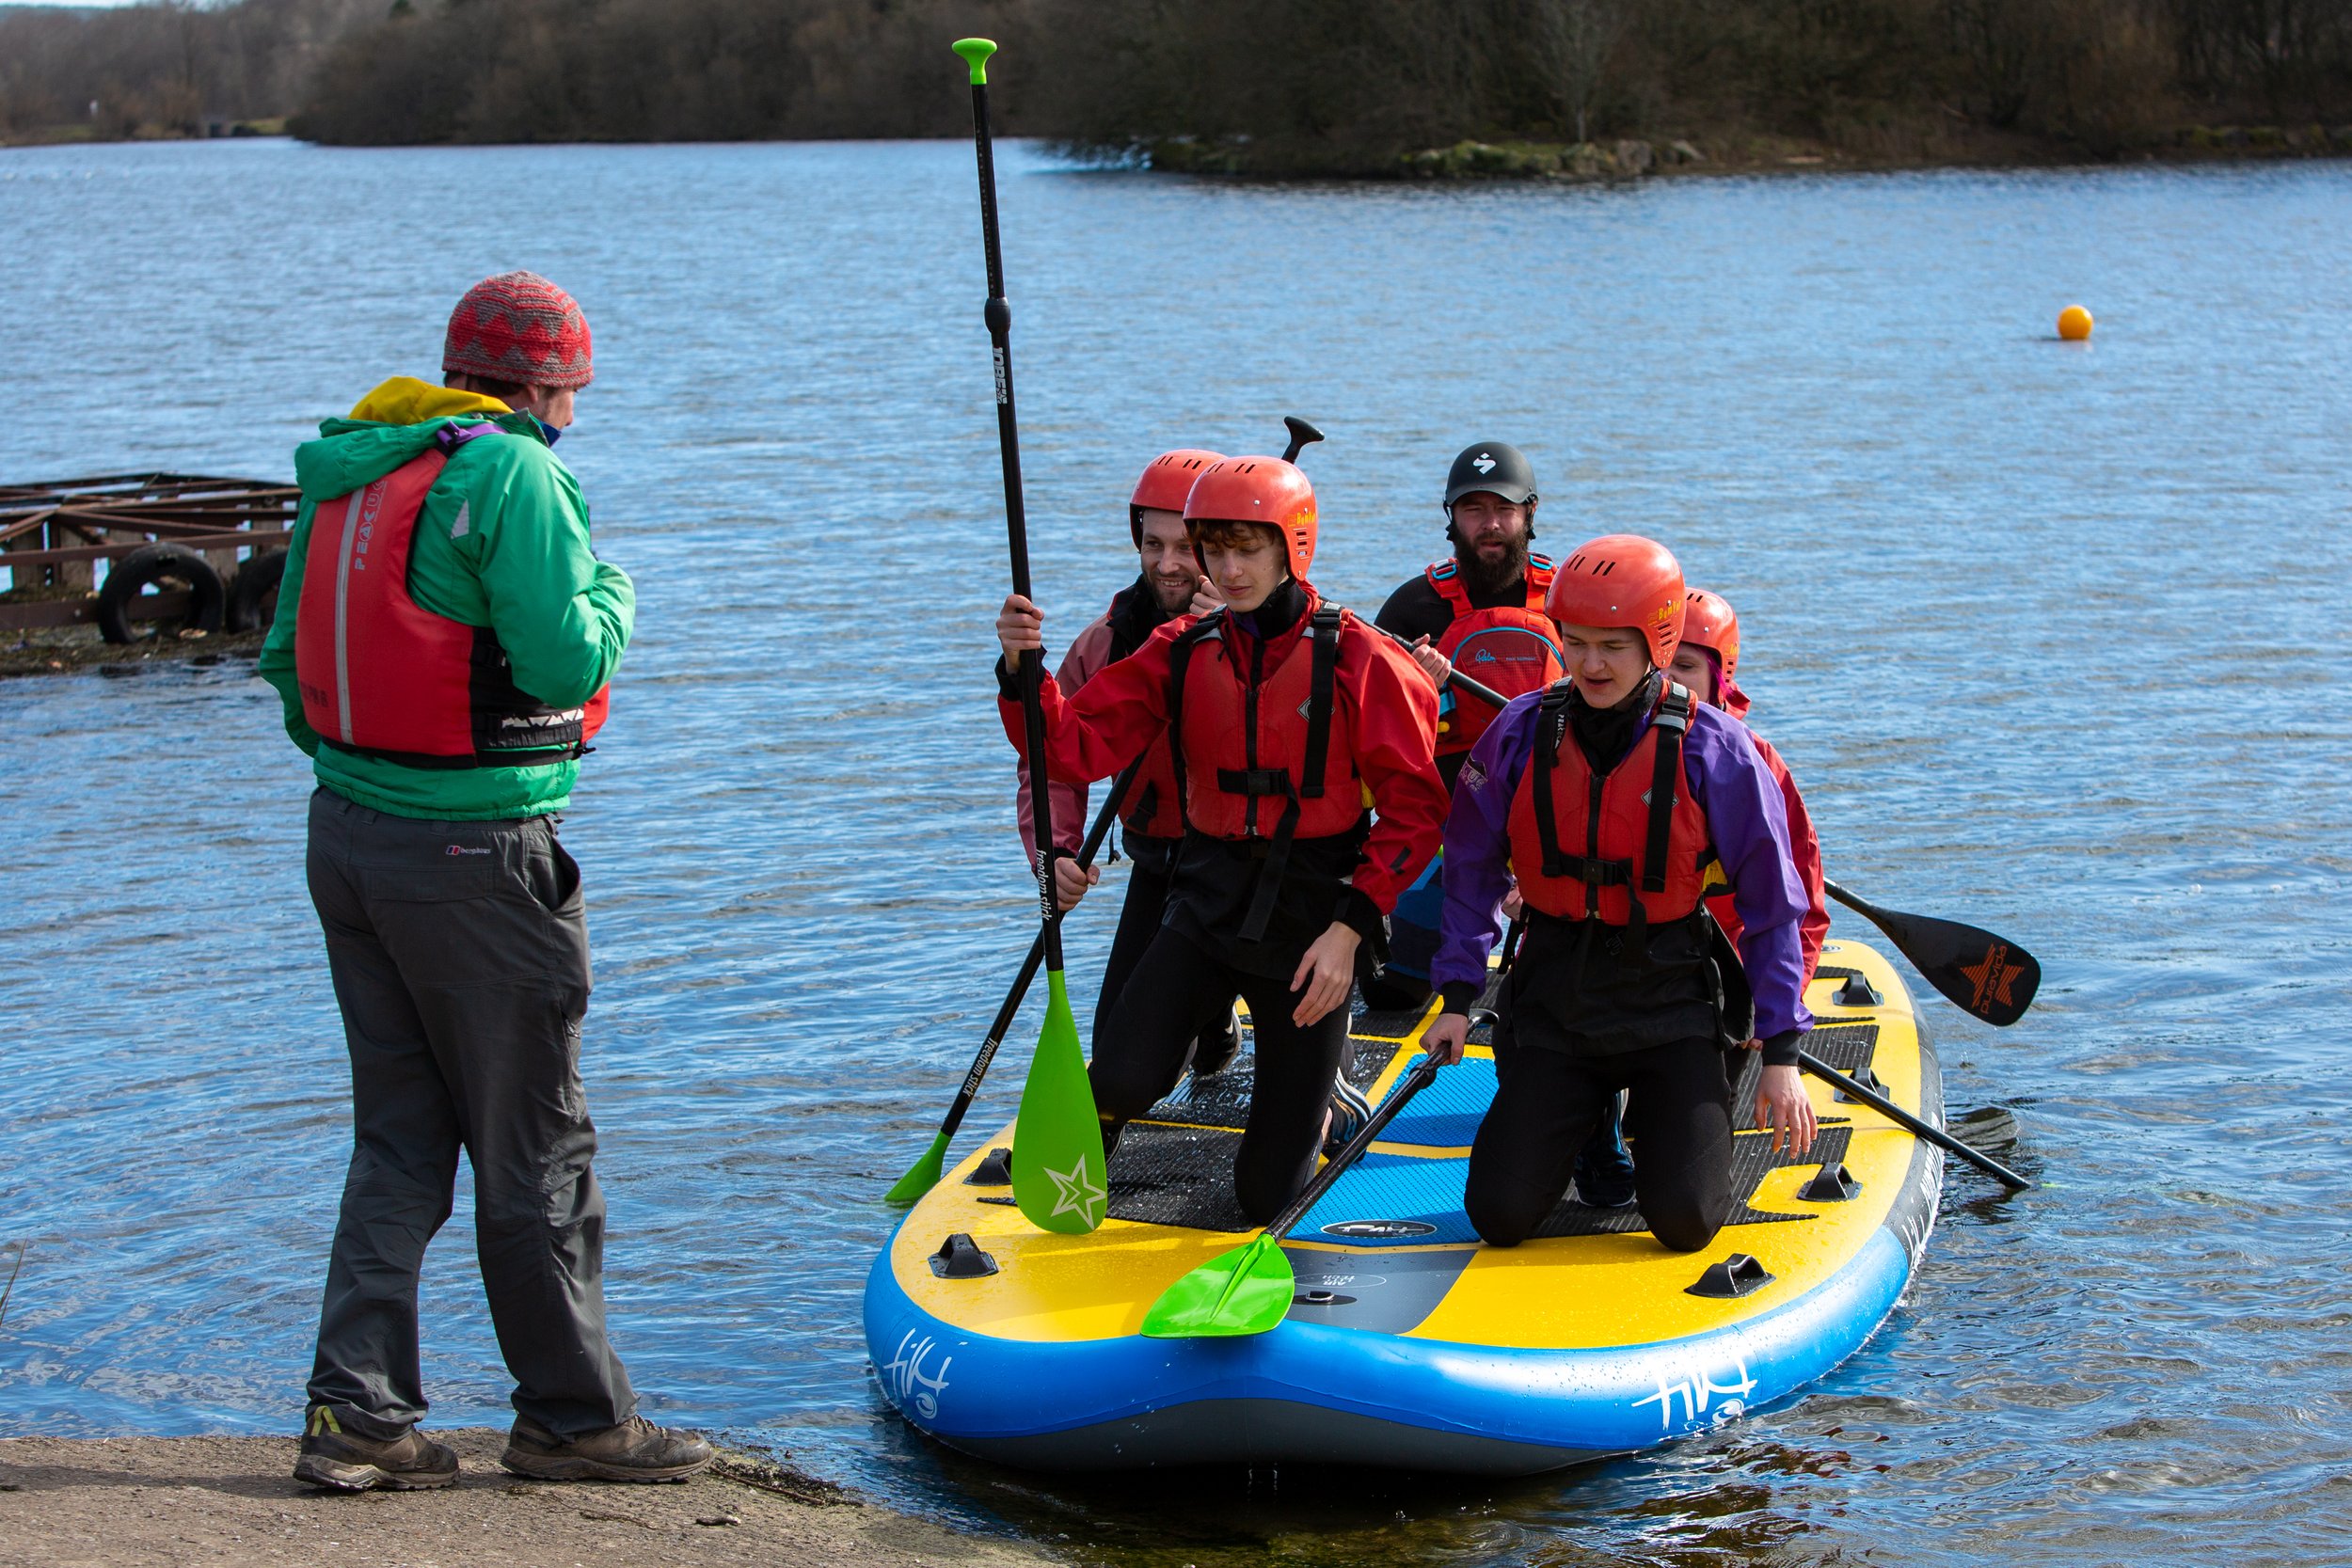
503	542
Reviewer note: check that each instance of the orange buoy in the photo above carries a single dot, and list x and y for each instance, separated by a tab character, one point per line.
2074	323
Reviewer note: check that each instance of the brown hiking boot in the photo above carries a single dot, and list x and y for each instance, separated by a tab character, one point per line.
346	1461
635	1450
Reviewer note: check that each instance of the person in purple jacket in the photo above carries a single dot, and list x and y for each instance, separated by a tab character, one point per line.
1608	795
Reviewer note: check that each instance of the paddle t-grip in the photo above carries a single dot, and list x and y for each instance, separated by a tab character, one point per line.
1303	435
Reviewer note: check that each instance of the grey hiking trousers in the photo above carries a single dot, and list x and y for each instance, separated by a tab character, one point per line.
460	957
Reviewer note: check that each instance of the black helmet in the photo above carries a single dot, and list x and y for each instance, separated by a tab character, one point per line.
1494	466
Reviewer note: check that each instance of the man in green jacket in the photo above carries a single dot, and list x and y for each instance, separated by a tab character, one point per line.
443	641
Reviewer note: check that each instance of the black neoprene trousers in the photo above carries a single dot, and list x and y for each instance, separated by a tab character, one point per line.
1140	919
1140	1053
1548	1103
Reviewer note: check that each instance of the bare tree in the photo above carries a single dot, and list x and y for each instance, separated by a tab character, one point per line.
1575	40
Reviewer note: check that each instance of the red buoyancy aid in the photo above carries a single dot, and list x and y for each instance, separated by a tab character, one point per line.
1513	649
1151	808
383	677
1270	760
1588	847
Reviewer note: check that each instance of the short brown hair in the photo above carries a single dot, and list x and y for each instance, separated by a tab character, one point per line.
1232	532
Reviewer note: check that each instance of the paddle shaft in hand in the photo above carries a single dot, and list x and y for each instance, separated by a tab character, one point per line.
924	1174
1910	1123
1058	1177
1458	680
1985	975
1336	1166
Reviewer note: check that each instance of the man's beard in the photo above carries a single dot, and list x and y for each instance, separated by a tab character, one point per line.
1484	580
1163	591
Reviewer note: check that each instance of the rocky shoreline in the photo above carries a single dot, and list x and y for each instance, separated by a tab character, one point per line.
1636	158
86	1502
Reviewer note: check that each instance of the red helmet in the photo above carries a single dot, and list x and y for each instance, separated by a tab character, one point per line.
1262	490
1712	624
1166	483
1622	579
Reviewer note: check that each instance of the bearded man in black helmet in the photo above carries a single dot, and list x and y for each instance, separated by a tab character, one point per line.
1484	610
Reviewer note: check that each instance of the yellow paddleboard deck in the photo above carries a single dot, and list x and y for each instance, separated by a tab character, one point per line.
1409	1345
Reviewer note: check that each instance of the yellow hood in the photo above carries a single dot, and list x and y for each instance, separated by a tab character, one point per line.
405	400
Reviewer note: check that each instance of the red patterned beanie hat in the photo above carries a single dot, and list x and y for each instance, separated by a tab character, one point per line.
518	327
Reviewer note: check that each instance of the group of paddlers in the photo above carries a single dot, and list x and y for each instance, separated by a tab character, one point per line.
443	644
1312	803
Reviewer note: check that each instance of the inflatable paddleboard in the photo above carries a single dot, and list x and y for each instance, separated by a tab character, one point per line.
1408	1344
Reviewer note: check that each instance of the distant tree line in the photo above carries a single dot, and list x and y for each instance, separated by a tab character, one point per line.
163	68
1302	84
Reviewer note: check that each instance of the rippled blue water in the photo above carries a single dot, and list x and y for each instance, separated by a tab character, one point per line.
2052	634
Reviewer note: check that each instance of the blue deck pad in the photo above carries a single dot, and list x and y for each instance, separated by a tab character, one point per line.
1394	1187
1446	1114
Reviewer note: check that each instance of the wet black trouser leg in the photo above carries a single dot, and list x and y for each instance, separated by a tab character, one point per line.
1140	919
459	952
1547	1105
1140	1058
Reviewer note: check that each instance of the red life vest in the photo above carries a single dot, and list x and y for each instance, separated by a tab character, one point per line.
1515	649
1267	760
381	675
1151	808
1626	847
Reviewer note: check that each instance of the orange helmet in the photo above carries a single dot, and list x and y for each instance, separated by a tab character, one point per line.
1166	483
1622	579
1262	490
1713	625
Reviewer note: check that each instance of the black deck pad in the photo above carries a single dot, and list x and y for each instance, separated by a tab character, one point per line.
1179	1176
1751	1158
1183	1176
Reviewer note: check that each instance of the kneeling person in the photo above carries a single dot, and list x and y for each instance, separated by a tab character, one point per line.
1169	584
1289	723
1607	794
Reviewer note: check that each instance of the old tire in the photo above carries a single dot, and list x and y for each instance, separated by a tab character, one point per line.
147	567
253	592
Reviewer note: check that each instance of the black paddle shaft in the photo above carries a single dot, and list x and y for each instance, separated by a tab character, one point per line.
1910	1123
1416	1081
1458	680
998	315
1014	997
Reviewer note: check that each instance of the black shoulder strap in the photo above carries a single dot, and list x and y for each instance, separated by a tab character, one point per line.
1325	630
1671	722
1552	728
1179	659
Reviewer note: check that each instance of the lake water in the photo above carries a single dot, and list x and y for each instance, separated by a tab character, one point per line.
2054	635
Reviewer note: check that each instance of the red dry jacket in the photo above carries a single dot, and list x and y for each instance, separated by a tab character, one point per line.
383	677
1805	849
1150	809
1241	714
1600	851
1513	649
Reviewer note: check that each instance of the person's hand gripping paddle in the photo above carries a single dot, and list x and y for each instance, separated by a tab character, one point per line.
1059	1177
1249	1289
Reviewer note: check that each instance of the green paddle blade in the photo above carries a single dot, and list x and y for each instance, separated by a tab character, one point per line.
1058	1165
922	1176
1247	1290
